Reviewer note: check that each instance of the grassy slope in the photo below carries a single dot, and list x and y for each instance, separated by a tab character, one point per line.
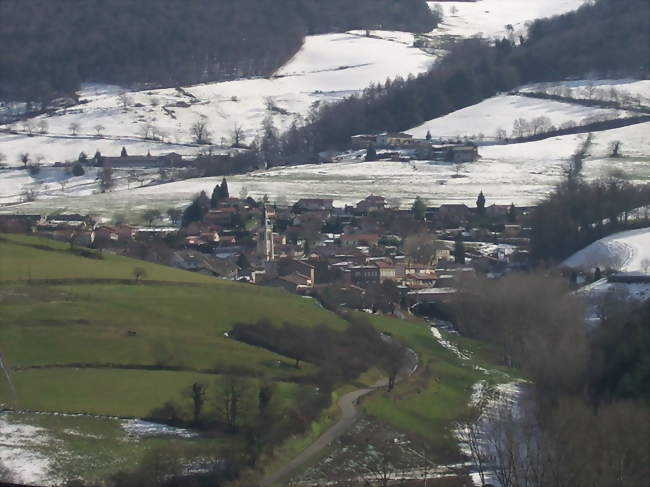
427	405
177	325
20	260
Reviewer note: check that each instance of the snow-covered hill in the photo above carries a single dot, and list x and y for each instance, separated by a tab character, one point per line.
625	251
500	112
489	18
327	68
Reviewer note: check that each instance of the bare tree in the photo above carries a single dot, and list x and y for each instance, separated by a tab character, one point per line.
199	130
174	215
24	158
237	135
42	126
197	394
520	128
615	148
151	215
393	361
28	126
99	128
124	100
74	128
230	400
645	265
540	125
421	248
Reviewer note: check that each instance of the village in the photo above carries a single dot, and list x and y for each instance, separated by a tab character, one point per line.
365	256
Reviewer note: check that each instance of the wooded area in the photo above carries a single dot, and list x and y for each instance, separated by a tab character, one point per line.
47	50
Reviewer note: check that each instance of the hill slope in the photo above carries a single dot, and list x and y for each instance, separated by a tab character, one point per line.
173	322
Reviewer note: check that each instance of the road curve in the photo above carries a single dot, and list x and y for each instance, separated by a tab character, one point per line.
347	403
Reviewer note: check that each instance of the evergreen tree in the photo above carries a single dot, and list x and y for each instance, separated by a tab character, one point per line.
371	153
216	196
225	194
78	170
123	153
459	249
480	203
197	210
419	209
428	136
512	213
270	144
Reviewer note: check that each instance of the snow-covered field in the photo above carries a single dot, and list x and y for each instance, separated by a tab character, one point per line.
609	90
625	251
327	68
489	18
520	173
500	112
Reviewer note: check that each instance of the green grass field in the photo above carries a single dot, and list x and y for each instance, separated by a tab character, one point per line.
123	393
177	324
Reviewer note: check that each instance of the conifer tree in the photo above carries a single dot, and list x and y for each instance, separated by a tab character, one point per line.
480	203
459	249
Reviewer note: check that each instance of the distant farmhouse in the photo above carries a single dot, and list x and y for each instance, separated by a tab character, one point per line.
422	149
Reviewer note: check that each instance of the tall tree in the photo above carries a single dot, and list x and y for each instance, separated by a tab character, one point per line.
480	203
419	209
459	249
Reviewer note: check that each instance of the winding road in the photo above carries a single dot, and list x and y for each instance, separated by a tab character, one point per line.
347	403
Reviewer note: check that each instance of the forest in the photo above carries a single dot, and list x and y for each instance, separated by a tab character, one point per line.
606	38
46	51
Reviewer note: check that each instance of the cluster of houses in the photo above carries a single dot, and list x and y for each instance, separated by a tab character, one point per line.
309	245
407	146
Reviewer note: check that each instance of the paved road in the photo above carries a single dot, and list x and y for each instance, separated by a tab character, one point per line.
349	413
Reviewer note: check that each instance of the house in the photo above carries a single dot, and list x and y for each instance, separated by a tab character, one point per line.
395	139
454	212
362	141
497	211
285	267
116	233
220	216
360	240
74	219
386	271
191	260
361	275
314	204
463	153
371	204
420	280
456	153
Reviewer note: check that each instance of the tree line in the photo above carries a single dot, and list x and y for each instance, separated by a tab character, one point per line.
48	48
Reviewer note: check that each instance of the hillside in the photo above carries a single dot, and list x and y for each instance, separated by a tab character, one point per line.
171	324
170	42
624	251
